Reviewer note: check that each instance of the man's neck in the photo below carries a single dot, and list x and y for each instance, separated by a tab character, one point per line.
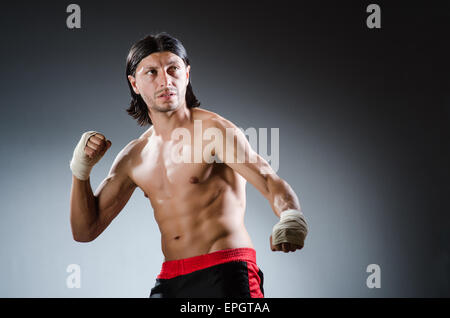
164	123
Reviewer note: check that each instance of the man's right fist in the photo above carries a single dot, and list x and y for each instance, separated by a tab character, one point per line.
89	150
96	146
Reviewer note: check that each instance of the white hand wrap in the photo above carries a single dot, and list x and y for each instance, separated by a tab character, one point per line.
81	165
291	228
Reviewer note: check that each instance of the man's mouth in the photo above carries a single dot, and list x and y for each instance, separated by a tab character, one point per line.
166	95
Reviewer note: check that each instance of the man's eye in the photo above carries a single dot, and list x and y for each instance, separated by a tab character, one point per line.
151	71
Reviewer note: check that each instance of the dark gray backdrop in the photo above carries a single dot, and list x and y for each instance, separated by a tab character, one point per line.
362	113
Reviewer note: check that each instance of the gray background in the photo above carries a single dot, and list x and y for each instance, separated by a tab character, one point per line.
362	113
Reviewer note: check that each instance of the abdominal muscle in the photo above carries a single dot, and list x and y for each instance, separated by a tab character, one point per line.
189	229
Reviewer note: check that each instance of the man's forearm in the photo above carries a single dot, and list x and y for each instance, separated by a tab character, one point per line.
83	209
281	195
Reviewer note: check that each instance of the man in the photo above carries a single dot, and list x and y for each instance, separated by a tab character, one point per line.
198	202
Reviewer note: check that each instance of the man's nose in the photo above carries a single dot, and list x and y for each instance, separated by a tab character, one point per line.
165	79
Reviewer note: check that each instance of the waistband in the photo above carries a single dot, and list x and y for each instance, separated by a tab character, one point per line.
175	268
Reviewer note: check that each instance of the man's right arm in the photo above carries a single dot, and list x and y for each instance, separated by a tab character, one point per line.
91	213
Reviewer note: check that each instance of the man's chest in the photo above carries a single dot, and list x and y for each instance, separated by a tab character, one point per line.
167	166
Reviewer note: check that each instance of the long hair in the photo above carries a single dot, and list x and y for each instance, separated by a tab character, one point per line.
160	42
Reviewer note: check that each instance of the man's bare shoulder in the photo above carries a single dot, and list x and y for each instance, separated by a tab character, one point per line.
212	119
134	144
146	134
132	149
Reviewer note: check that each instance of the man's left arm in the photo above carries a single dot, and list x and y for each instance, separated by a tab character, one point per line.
290	232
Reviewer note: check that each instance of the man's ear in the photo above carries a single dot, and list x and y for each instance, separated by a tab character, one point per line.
133	84
188	73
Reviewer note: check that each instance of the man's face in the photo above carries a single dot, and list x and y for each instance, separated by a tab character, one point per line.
161	79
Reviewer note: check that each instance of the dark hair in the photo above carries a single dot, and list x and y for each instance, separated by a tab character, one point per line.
150	44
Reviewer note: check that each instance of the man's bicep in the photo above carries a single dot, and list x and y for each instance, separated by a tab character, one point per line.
237	153
113	193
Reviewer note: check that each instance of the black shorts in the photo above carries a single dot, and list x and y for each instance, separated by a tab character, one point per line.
226	273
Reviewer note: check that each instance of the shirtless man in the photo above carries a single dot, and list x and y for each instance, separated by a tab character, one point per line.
199	206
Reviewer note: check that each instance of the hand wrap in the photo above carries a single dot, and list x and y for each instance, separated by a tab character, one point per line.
81	165
291	228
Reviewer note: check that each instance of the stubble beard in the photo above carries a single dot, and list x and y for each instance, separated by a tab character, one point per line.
165	108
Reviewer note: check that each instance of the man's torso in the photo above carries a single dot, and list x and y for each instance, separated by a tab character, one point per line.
199	207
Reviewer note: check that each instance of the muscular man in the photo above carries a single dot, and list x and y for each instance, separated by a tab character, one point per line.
198	202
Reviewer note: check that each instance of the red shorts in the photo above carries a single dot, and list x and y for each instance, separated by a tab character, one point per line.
226	273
